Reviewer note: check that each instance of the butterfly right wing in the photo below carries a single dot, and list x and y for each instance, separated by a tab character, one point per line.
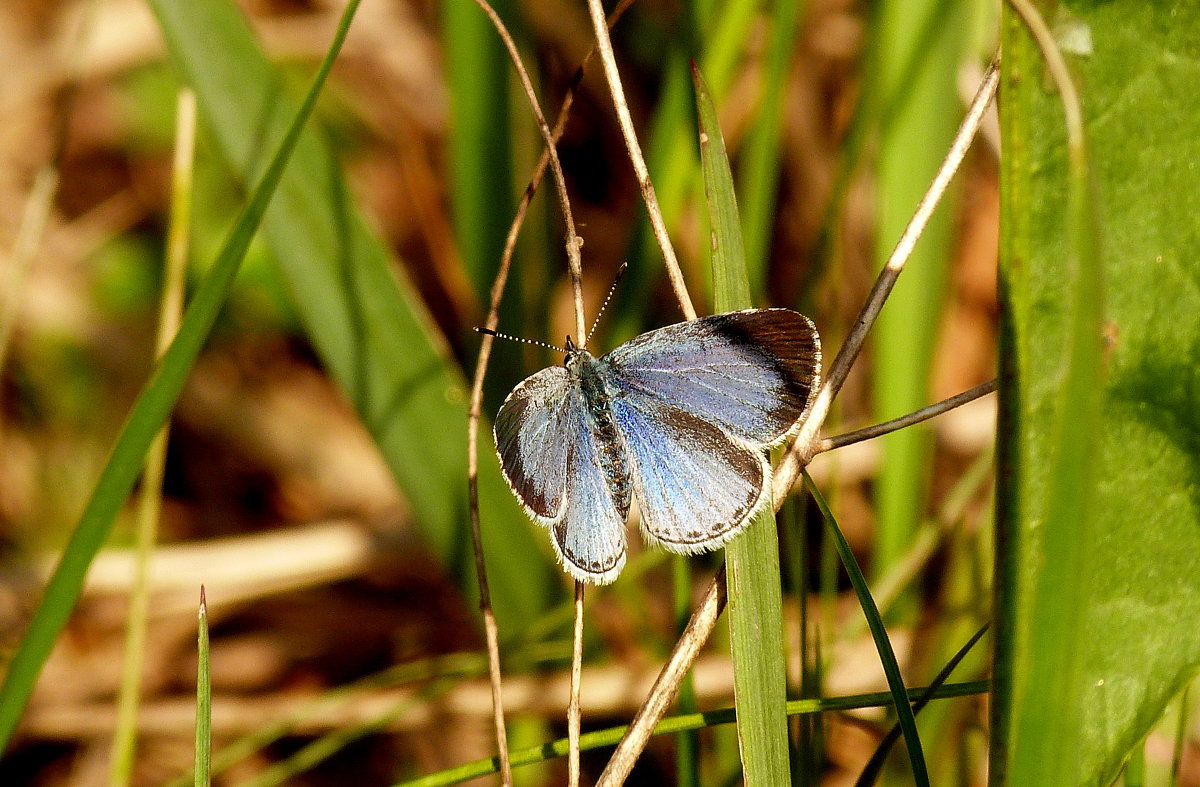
753	373
551	458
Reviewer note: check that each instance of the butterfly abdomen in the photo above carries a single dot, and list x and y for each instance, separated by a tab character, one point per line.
611	448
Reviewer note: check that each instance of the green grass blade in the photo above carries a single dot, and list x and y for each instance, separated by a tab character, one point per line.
147	417
675	724
874	766
759	175
755	601
891	669
481	177
1098	520
369	329
923	119
202	770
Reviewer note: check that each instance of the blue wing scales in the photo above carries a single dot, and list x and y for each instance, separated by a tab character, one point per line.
695	485
752	373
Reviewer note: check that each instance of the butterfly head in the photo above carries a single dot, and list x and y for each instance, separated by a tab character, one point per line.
575	354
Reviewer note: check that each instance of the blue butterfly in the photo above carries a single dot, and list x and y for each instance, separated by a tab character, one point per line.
677	419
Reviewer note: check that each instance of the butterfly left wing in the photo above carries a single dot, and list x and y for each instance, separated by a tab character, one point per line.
533	432
695	486
753	373
552	460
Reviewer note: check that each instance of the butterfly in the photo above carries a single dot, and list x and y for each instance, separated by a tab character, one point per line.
678	419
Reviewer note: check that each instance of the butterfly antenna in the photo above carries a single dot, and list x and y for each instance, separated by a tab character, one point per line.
498	335
612	288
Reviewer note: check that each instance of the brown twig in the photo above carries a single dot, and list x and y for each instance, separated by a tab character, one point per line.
625	121
697	632
804	446
574	242
924	414
491	631
700	626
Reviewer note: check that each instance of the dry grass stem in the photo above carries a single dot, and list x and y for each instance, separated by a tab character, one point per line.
150	494
697	632
574	242
549	154
804	446
1057	67
924	414
604	44
573	712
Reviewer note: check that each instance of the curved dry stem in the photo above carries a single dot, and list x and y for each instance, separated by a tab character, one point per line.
924	414
491	631
573	710
1057	66
697	632
625	121
574	242
803	447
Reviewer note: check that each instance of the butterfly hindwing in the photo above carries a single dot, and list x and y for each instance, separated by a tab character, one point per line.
753	373
590	536
695	485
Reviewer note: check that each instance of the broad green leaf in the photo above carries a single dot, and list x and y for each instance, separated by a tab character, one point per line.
371	332
752	559
1099	517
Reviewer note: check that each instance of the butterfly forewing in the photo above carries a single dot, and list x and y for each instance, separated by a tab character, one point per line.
534	431
752	373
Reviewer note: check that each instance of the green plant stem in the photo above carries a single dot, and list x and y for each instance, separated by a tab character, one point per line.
675	724
150	494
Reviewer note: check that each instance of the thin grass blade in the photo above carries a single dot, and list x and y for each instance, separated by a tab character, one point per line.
755	600
202	770
148	415
891	669
366	324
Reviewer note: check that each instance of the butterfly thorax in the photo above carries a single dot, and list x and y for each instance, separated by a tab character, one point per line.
593	382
